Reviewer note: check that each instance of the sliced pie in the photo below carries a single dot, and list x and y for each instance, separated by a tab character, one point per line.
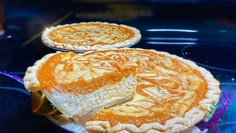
76	84
90	36
172	94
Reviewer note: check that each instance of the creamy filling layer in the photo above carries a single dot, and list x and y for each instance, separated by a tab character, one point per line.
71	105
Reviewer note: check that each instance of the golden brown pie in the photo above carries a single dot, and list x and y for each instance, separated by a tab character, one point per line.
172	94
90	36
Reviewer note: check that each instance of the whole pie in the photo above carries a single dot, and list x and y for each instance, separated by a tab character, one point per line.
90	36
168	93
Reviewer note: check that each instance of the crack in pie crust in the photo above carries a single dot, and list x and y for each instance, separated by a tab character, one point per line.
172	94
90	36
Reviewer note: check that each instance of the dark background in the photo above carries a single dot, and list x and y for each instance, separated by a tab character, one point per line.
203	31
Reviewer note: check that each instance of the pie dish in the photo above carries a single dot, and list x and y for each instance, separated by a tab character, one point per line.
86	36
171	94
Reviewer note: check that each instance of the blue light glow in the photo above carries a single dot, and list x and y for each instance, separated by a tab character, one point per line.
171	39
172	30
14	89
12	76
172	43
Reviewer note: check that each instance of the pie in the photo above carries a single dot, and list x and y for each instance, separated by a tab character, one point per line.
171	94
90	36
67	79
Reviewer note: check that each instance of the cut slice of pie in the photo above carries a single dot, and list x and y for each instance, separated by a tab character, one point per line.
172	94
90	36
76	84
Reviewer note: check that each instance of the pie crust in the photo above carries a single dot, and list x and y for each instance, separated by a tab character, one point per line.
180	108
86	36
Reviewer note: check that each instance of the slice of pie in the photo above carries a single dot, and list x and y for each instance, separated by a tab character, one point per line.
172	94
76	84
90	36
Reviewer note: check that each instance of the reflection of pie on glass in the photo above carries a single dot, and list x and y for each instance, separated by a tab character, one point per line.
169	93
90	36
